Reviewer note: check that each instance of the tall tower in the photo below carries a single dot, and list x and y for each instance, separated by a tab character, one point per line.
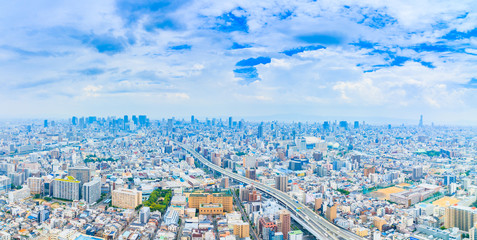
420	122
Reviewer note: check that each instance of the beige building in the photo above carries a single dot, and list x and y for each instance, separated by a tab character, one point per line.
126	198
242	230
223	197
460	217
35	184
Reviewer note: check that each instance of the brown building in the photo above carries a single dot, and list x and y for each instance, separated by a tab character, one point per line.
222	197
331	213
285	222
318	204
211	209
242	230
369	170
251	173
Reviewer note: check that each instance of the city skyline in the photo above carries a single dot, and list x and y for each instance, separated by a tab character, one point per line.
256	60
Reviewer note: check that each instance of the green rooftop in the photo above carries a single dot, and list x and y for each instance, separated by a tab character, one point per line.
68	179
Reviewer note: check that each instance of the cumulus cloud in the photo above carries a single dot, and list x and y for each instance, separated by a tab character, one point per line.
365	58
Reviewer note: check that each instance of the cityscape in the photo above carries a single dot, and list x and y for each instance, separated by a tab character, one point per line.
238	120
132	177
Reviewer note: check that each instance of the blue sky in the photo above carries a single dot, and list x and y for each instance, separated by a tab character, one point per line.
365	60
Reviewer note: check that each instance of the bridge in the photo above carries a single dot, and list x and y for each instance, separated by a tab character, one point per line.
315	224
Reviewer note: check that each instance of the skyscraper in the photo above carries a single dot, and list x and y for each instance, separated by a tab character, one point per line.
192	119
421	124
285	219
67	188
74	121
230	122
281	183
91	191
45	123
260	131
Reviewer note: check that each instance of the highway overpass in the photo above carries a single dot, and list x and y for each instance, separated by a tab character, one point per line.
315	224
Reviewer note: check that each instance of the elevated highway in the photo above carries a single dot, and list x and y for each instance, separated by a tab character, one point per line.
315	224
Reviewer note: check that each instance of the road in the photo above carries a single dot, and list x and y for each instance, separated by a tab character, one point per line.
244	214
315	224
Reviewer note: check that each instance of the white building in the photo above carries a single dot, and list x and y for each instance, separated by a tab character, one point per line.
18	195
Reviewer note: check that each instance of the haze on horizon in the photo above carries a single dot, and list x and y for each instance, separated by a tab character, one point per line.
369	59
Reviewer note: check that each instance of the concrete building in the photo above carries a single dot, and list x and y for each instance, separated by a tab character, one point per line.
5	184
18	195
242	230
223	197
80	173
211	209
67	188
331	213
144	215
285	220
35	184
91	191
460	217
126	198
295	235
281	183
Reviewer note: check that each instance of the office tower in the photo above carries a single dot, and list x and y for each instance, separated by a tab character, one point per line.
142	120
260	131
460	217
81	122
242	230
91	191
295	165
285	219
344	124
448	179
356	124
91	119
170	125
80	173
326	126
224	197
67	188
144	215
126	198
134	119
251	173
35	184
43	215
421	124
281	183
192	119
126	119
45	123
331	212
224	183
74	120
416	173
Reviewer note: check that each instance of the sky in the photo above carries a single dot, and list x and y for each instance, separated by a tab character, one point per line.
364	60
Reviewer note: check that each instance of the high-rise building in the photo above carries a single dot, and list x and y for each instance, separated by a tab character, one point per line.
67	188
126	198
192	119
80	173
74	121
35	184
356	124
260	131
251	173
421	124
230	122
331	213
134	119
45	123
224	183
144	215
126	119
242	230
91	191
285	219
295	235
142	120
448	179
281	183
18	195
416	173
460	217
